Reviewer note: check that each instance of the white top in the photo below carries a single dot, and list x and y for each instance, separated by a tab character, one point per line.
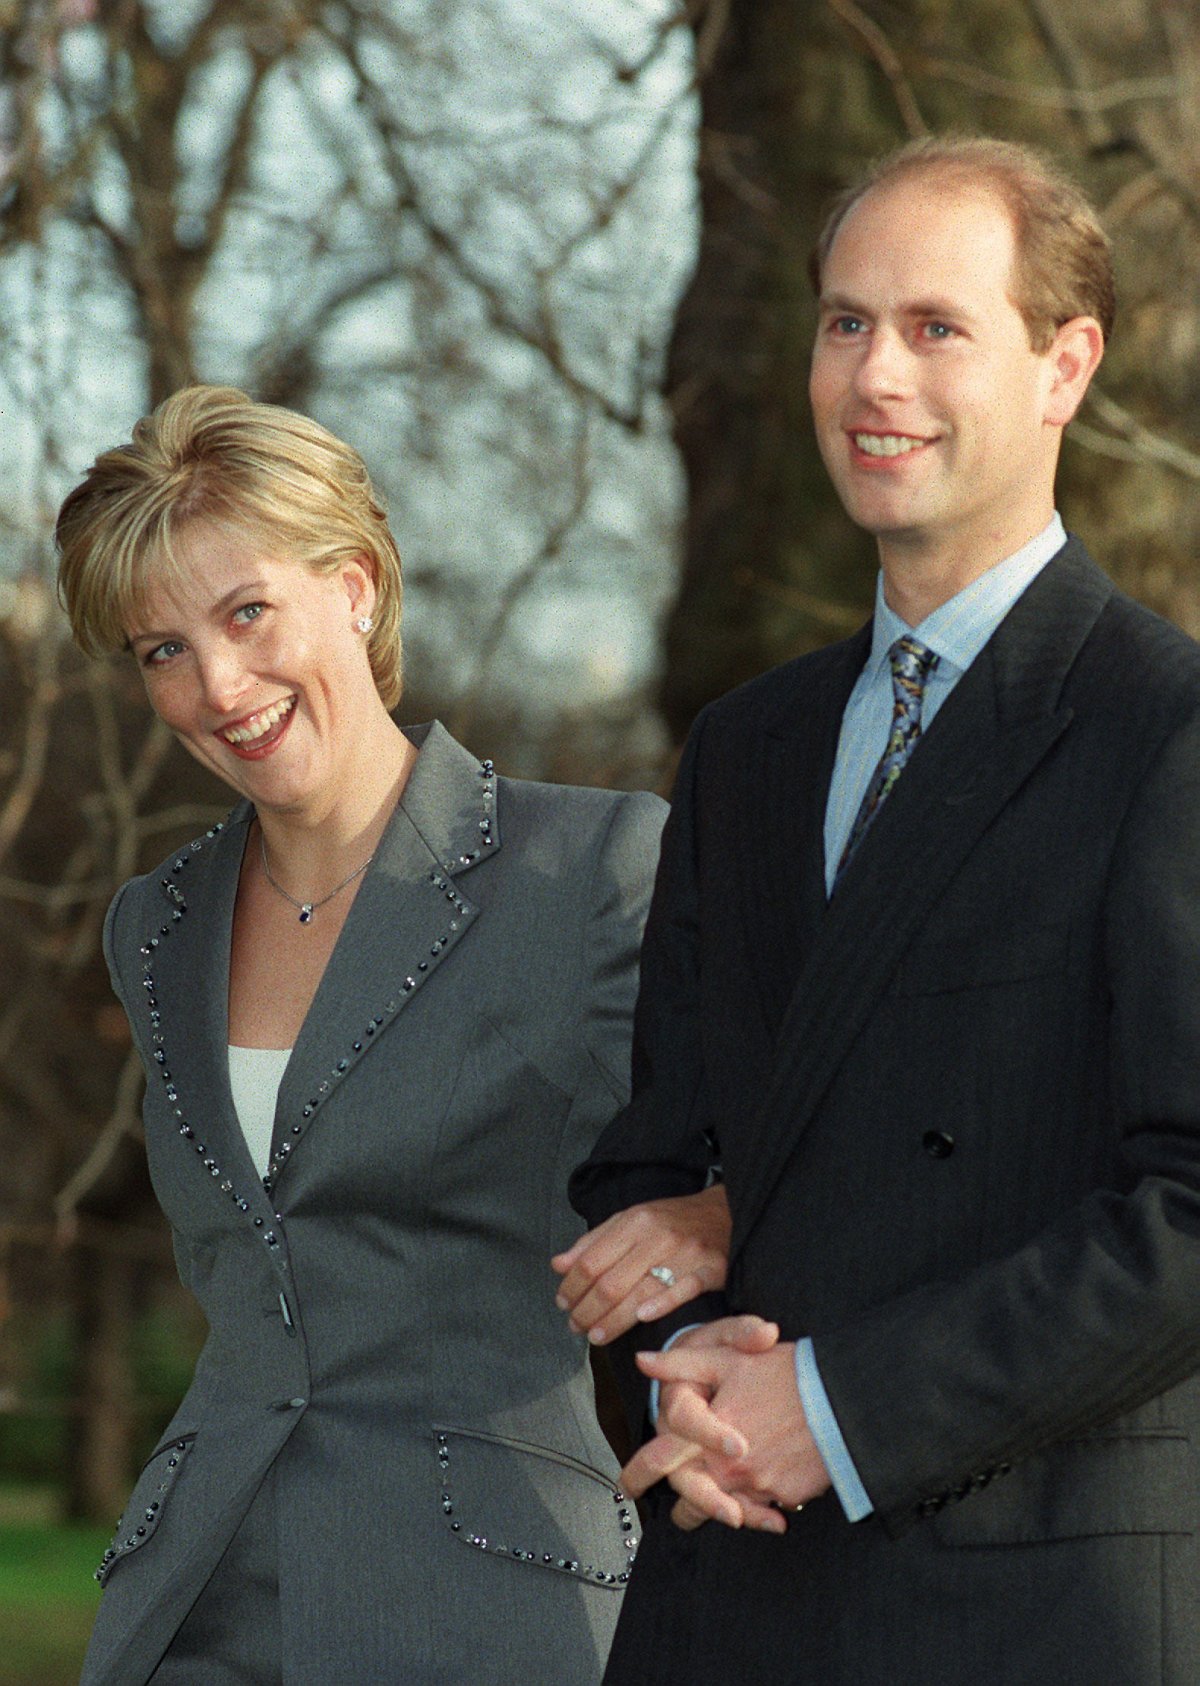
254	1076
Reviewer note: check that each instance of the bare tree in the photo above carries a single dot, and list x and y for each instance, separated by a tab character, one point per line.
436	225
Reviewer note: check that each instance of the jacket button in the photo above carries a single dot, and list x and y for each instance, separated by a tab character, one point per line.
938	1144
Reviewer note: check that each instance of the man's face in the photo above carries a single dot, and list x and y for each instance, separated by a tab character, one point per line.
930	404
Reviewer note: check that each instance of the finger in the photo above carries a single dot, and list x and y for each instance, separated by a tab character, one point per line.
663	1300
744	1333
635	1308
694	1483
756	1514
702	1366
563	1261
610	1306
690	1417
659	1457
592	1255
686	1516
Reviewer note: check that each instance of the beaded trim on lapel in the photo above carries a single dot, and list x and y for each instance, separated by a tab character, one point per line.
173	891
440	879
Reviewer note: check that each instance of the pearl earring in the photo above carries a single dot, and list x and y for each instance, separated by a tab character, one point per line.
364	623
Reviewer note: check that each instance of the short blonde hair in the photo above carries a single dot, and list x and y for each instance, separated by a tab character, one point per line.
1063	266
212	453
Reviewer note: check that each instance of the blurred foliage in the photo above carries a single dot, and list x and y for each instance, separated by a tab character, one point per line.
47	1594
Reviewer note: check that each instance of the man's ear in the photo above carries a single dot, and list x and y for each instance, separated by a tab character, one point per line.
1073	357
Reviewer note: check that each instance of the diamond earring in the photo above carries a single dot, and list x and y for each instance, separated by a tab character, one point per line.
364	623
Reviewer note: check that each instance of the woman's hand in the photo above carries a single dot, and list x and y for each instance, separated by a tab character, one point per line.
607	1281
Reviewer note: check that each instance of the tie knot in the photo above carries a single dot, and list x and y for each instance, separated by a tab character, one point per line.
912	662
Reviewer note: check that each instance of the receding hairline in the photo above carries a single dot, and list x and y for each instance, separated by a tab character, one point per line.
1035	190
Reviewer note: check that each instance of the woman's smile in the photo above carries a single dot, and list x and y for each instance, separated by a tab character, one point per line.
259	733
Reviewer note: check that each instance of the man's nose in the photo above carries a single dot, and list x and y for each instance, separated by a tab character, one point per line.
885	367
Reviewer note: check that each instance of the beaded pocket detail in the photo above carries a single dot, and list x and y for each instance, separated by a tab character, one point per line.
146	1503
535	1505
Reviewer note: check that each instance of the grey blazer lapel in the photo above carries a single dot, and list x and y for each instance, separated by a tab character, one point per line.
187	961
409	916
1002	719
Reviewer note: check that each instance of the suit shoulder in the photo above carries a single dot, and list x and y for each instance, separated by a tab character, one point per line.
581	818
576	802
757	700
1149	662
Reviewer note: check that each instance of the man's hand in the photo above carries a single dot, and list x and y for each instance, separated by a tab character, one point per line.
721	1385
607	1286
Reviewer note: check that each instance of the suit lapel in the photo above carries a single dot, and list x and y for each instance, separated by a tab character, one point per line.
189	966
787	781
992	732
408	917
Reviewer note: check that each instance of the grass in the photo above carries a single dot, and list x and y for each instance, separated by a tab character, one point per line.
47	1595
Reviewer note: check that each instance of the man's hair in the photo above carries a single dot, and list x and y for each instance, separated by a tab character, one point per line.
211	454
1063	265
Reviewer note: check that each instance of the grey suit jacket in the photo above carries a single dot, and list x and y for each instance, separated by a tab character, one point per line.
958	1109
383	1336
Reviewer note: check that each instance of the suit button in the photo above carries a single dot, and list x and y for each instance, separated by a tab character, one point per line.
930	1506
938	1144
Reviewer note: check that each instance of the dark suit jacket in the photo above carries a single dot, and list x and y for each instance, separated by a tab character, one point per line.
958	1110
384	1340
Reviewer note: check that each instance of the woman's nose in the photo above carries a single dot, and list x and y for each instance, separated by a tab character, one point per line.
223	677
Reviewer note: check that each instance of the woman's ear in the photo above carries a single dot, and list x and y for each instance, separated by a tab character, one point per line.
358	581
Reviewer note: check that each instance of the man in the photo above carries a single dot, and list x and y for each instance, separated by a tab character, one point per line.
923	973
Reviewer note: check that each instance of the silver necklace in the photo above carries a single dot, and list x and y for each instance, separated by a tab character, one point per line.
307	909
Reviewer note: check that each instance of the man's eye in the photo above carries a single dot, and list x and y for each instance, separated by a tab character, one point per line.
939	330
848	325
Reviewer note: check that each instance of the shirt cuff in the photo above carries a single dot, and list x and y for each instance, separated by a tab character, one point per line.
822	1423
652	1402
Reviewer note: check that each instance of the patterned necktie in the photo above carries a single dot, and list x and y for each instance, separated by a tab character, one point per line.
911	666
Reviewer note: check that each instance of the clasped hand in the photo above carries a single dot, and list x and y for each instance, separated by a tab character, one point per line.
732	1440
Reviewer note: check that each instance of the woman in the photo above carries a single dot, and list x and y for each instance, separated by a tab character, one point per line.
384	1009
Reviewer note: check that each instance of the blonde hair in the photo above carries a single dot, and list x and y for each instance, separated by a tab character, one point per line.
210	453
1063	265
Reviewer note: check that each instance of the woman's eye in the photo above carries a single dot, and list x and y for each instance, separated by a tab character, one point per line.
161	653
247	613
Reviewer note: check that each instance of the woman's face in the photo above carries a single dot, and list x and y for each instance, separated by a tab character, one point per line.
255	663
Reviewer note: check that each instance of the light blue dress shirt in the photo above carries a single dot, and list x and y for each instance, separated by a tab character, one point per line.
955	632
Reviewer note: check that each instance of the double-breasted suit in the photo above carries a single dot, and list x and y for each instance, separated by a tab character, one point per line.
958	1113
385	1356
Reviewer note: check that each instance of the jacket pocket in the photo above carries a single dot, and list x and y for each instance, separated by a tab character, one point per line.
533	1504
1106	1484
147	1502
